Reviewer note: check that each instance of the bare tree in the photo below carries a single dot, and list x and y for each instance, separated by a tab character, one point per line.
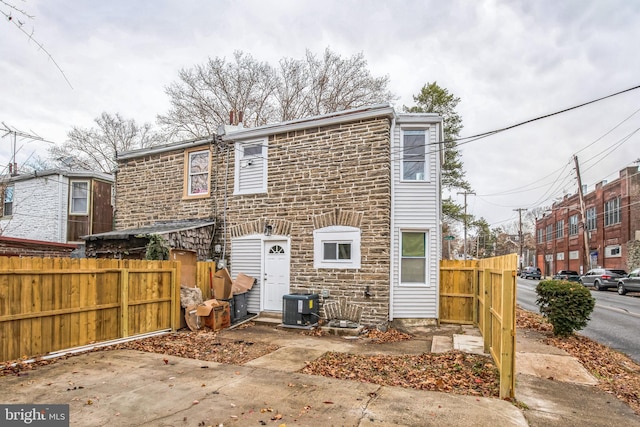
96	148
205	94
18	17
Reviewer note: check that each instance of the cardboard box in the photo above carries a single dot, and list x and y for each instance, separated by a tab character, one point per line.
242	284
215	314
222	284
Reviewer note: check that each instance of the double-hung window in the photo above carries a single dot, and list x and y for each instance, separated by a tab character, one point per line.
197	173
79	204
549	232
7	207
336	247
413	258
414	158
560	229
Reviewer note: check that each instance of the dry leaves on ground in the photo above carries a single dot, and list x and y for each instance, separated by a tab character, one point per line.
617	373
390	335
452	372
201	345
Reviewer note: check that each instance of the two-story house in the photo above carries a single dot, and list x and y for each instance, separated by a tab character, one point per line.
345	205
56	205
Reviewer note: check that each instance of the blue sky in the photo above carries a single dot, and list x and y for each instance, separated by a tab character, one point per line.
508	61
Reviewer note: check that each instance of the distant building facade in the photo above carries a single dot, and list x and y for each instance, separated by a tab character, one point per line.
612	221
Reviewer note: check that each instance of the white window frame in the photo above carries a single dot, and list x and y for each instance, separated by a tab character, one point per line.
574	255
560	229
242	162
407	157
71	198
338	234
5	201
425	257
613	251
188	174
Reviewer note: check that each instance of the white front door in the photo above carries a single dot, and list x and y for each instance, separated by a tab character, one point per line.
276	274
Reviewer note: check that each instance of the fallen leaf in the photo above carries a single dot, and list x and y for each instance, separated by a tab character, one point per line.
195	402
328	402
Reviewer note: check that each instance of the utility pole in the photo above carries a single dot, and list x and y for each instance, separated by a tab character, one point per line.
520	239
585	232
465	193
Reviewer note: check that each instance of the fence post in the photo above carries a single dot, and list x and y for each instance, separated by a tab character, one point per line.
175	298
486	309
508	336
124	302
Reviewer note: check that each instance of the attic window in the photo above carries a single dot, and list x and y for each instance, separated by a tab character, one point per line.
197	173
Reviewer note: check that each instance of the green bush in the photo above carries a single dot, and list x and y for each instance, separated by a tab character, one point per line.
567	305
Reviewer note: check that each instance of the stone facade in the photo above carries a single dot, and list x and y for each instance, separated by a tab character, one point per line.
335	175
150	189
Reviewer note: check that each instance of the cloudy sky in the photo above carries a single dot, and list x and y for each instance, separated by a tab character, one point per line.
508	61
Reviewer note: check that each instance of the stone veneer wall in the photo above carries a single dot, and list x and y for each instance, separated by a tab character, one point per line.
335	175
150	189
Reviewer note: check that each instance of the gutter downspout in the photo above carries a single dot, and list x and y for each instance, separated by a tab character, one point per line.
62	218
392	250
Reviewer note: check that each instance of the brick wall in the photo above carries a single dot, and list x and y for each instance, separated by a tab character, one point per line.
24	248
338	174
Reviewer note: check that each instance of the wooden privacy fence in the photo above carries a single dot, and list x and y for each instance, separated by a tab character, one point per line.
483	293
52	304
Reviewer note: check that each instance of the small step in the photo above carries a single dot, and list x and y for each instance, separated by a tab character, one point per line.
441	344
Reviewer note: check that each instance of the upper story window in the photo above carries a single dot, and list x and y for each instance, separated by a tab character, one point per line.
251	167
540	232
7	207
197	174
414	155
549	232
79	198
573	225
612	212
336	247
591	219
560	229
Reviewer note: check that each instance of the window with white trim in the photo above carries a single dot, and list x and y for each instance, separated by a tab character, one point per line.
251	167
336	247
613	251
197	174
7	206
414	155
79	198
549	232
413	258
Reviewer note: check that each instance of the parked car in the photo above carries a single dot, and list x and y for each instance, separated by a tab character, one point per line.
630	283
602	278
531	273
569	275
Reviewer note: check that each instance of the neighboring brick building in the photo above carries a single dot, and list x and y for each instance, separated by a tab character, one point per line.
346	205
10	246
612	213
56	205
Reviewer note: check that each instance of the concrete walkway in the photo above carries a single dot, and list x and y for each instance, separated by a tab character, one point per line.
130	388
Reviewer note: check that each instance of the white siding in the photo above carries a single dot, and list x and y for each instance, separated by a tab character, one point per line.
39	210
416	206
246	257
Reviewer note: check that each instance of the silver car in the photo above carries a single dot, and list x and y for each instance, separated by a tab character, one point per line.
602	278
631	283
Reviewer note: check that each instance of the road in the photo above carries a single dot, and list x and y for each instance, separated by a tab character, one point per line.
615	320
